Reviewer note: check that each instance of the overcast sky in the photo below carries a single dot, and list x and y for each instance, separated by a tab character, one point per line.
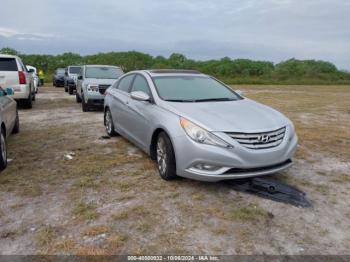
271	30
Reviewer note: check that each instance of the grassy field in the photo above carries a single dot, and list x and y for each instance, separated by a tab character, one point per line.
109	198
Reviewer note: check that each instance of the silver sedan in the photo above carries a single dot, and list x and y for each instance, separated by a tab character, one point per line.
195	126
9	122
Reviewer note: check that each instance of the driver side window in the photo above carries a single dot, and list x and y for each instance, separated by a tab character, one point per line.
140	84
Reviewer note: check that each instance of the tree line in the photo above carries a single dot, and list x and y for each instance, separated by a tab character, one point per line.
233	71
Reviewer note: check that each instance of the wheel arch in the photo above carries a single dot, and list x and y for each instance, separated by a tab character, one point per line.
3	127
152	148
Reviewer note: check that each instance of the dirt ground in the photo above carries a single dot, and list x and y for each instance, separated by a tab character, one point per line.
109	198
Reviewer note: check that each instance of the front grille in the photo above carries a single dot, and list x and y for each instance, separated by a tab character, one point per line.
261	140
102	88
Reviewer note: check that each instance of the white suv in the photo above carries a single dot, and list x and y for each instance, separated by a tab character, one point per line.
15	75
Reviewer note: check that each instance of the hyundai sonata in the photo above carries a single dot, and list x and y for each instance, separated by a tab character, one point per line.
195	126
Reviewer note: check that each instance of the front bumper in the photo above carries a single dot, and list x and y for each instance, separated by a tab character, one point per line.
59	82
96	102
232	163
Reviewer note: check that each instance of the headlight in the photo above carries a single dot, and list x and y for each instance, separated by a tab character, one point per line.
200	135
92	88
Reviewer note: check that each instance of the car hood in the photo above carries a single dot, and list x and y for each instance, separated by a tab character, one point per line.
230	116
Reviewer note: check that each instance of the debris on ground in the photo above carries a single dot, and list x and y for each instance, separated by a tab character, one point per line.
272	189
69	156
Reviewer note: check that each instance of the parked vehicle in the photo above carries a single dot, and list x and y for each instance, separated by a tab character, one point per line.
9	121
35	77
70	78
93	82
58	77
15	75
195	126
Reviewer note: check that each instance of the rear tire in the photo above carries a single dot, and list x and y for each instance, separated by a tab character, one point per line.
166	161
3	151
108	121
15	129
28	103
70	90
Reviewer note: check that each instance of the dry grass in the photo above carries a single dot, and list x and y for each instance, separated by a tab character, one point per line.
107	190
86	211
96	230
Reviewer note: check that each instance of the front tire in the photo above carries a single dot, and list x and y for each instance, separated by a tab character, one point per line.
70	90
108	121
3	151
84	105
166	161
77	98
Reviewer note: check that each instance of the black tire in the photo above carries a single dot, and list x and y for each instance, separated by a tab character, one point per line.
70	90
54	84
3	150
33	96
166	161
108	122
77	98
84	105
15	129
65	89
28	103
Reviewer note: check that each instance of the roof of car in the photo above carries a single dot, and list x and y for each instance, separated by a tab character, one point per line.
8	56
163	72
102	66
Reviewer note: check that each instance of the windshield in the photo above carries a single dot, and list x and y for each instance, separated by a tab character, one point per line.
60	71
74	69
193	89
103	72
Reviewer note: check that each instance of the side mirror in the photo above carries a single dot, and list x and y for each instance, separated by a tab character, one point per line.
80	77
239	92
9	91
140	96
31	70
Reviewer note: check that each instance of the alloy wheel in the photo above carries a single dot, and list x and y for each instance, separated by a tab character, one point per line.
161	156
108	122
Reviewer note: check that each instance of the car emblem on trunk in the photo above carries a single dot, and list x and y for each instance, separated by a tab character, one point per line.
263	139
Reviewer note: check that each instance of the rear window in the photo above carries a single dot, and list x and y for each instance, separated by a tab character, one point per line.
8	64
74	70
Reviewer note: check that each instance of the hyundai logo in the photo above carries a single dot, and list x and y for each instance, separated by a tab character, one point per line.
263	139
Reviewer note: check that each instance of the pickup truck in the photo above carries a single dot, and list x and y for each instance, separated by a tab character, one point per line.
14	74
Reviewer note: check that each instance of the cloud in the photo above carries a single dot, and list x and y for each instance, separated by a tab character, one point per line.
259	29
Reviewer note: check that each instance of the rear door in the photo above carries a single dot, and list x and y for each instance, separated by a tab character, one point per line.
8	72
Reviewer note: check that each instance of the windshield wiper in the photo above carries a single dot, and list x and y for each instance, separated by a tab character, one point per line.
179	100
215	99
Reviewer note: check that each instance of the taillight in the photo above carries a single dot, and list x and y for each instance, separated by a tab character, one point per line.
22	78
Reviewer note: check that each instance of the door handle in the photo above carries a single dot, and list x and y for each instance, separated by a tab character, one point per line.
127	102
